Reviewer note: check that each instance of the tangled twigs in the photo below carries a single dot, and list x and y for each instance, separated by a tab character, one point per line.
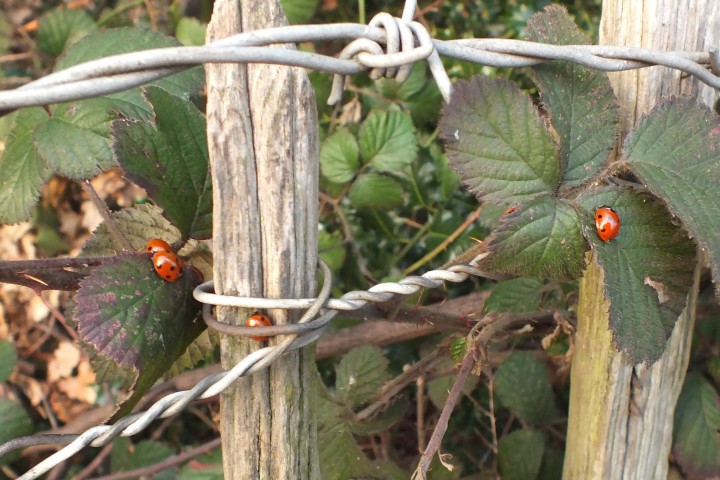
478	339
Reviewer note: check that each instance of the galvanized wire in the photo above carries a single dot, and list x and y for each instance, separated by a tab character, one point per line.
388	45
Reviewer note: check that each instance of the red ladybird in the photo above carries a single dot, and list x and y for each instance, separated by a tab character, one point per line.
607	223
156	245
168	266
258	320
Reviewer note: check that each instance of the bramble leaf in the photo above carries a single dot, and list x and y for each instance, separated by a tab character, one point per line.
697	421
675	151
522	384
360	374
497	142
8	359
61	27
15	423
169	159
648	270
387	141
372	190
23	171
340	157
137	224
516	295
580	100
520	455
541	239
136	320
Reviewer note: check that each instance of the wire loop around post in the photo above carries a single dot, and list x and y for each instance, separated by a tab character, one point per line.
399	55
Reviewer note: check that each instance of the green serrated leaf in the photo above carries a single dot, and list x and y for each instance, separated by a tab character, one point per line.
387	141
170	161
458	349
581	102
552	464
128	456
520	455
648	270
22	171
129	315
383	420
360	374
61	27
298	11
541	239
675	151
522	384
201	349
15	423
372	190
497	142
73	151
517	295
439	388
339	156
392	89
8	360
697	421
137	224
340	456
190	32
125	40
331	249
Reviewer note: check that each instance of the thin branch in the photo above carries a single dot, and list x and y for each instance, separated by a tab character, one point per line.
171	462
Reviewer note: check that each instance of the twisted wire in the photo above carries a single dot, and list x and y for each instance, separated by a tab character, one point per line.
120	72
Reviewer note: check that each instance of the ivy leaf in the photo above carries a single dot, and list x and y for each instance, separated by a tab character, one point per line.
522	384
520	455
339	156
387	141
360	374
373	190
517	295
61	27
23	171
675	151
648	270
136	320
697	421
170	160
580	100
541	239
497	142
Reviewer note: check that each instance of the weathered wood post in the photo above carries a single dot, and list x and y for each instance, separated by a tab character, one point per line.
263	143
621	417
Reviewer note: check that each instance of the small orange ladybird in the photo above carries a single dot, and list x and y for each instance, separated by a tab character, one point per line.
258	320
168	266
607	223
156	245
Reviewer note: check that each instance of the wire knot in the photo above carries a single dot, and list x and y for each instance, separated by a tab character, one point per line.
398	57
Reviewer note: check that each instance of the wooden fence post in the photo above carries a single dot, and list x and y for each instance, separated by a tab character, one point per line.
621	417
263	143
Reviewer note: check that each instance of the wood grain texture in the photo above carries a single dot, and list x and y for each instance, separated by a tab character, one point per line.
264	151
621	417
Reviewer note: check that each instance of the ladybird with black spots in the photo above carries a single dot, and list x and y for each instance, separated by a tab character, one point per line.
168	266
607	223
156	245
258	320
